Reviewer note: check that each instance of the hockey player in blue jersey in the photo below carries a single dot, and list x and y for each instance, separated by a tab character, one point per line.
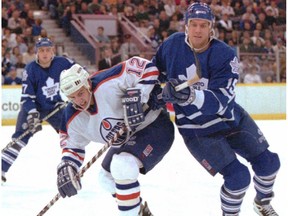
40	96
214	127
96	113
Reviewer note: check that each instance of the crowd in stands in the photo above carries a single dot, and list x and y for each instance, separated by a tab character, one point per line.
255	28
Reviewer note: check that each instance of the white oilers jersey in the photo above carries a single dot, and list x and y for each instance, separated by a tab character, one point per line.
100	122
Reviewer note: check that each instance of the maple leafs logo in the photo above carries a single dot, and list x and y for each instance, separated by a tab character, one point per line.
234	65
51	89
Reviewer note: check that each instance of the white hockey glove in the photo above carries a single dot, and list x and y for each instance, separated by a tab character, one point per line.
184	97
34	122
67	182
133	111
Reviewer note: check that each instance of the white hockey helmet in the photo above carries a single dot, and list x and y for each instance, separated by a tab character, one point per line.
72	79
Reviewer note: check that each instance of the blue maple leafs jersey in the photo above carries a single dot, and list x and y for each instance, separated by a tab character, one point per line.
40	86
214	108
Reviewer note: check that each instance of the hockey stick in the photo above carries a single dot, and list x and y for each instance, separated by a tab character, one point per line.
195	79
85	168
28	131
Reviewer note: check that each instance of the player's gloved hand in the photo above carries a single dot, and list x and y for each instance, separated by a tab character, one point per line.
133	110
67	182
183	97
34	122
155	101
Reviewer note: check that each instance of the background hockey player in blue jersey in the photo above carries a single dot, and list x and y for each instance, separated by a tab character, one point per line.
97	114
214	127
40	96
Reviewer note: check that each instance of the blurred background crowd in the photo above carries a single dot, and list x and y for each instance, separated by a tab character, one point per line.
255	29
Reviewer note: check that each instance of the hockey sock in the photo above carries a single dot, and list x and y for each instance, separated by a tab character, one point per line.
231	200
128	197
9	155
264	185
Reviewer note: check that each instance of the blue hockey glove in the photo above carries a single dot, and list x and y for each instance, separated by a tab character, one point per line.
155	101
184	97
133	111
34	122
67	182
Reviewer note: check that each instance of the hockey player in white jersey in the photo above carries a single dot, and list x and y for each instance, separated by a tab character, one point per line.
96	114
213	125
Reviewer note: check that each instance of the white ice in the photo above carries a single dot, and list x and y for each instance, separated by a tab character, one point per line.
178	186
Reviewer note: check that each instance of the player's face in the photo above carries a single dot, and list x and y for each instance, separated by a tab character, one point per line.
45	55
198	32
81	98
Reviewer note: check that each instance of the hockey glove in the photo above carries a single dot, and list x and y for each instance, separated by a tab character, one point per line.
184	97
34	122
133	111
67	181
155	101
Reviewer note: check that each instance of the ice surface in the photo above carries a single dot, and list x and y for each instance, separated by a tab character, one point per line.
178	186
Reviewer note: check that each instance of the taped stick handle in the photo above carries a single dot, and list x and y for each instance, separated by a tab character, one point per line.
187	83
85	168
58	108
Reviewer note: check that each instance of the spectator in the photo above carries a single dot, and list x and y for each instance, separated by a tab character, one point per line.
115	46
67	17
24	12
11	78
258	47
4	23
141	14
113	11
216	8
30	20
101	36
94	6
37	27
164	21
15	52
256	36
169	7
263	21
226	8
84	9
252	76
129	13
279	46
128	48
10	37
21	44
14	22
270	19
20	64
274	8
108	61
153	9
246	46
225	23
154	37
29	55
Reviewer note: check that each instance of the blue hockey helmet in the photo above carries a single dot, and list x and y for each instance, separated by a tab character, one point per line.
43	42
199	10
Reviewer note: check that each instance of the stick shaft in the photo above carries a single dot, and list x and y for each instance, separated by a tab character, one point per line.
28	131
84	169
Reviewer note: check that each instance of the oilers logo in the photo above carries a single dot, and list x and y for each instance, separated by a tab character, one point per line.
110	128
